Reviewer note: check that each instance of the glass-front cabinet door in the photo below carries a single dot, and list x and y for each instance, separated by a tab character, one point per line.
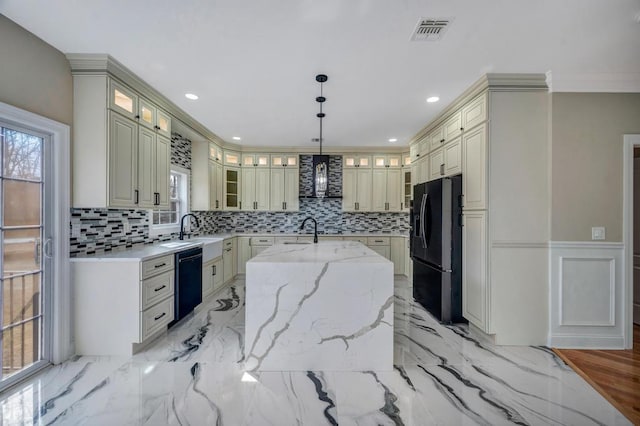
147	113
163	123
231	188
123	100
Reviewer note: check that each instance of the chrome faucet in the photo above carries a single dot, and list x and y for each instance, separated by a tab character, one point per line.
182	224
315	228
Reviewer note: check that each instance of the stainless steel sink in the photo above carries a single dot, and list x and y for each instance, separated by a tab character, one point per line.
297	242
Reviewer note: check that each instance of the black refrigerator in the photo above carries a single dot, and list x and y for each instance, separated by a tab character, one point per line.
436	247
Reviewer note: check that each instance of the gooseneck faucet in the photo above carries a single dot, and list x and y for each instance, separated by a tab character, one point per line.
182	224
315	228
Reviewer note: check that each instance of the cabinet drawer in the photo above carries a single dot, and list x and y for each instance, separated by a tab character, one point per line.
157	266
378	241
261	241
156	318
228	243
280	240
156	288
362	240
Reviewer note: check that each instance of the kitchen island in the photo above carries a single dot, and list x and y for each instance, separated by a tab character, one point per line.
325	306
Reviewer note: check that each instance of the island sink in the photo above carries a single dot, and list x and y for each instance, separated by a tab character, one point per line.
325	306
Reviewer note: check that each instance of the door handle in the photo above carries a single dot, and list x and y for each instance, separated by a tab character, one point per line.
46	249
423	204
213	270
136	192
441	169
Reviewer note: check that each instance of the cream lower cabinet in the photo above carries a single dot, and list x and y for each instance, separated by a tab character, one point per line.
121	304
398	255
387	196
243	253
255	188
285	189
474	268
212	276
229	261
381	245
356	189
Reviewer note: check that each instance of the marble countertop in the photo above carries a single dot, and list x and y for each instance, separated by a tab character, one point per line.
322	252
149	251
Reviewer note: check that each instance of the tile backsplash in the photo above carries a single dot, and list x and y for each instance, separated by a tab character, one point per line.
97	230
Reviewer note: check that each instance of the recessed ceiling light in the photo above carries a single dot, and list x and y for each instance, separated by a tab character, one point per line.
191	96
393	140
236	138
433	99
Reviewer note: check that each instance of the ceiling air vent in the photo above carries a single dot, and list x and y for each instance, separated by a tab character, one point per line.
430	29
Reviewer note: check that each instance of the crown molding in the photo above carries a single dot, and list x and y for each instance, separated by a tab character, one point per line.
104	64
493	82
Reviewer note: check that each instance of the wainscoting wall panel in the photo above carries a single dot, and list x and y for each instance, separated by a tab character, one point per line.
586	290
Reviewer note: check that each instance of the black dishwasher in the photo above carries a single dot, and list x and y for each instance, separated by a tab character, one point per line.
188	282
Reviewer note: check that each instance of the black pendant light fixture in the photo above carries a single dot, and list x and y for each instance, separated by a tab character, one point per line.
321	162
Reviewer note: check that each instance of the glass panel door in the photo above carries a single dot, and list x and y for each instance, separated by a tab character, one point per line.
24	253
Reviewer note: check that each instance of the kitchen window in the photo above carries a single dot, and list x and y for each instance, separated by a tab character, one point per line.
166	221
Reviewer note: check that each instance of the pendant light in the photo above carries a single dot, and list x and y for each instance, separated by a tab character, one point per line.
321	162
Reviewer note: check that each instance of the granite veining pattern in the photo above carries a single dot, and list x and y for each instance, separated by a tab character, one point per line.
195	375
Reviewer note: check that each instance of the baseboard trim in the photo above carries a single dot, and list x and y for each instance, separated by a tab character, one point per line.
586	342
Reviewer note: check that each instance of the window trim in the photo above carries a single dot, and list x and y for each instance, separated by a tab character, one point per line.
155	230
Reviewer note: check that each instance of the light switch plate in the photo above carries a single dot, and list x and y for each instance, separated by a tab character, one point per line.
597	233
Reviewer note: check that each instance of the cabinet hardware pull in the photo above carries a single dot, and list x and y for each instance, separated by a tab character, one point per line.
160	265
441	169
160	288
213	270
460	202
136	195
285	205
240	205
441	140
138	117
462	129
160	316
217	204
401	206
378	241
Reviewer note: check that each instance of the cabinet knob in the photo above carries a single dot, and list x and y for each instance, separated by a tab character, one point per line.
441	140
138	117
462	129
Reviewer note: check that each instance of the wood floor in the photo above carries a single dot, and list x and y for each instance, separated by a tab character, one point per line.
615	374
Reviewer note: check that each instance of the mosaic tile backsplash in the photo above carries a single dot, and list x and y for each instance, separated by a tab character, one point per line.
95	231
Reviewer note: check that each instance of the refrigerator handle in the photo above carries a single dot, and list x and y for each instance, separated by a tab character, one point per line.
423	204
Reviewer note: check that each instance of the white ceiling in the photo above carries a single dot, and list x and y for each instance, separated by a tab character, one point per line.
253	63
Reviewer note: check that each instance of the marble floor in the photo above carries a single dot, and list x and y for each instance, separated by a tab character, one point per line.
194	376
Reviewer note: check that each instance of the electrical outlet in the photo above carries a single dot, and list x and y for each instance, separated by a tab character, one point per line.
597	233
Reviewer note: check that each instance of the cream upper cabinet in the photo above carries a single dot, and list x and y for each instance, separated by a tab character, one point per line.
436	164
385	161
123	161
284	160
255	160
452	128
150	116
232	158
436	138
255	188
215	186
413	152
453	157
474	113
474	166
163	123
284	189
420	170
356	160
406	160
215	153
475	299
154	153
387	196
123	100
356	189
407	189
231	188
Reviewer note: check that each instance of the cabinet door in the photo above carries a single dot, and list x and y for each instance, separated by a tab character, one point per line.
349	189
474	168
291	189
475	112
407	189
208	271
231	188
277	189
423	169
162	171
383	251
263	177
227	268
244	254
436	164
123	100
123	161
394	190
163	123
146	113
452	128
146	167
213	188
218	271
474	272
232	158
436	138
453	157
363	192
379	196
248	188
219	185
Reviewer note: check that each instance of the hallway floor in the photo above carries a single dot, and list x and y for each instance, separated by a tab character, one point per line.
194	375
